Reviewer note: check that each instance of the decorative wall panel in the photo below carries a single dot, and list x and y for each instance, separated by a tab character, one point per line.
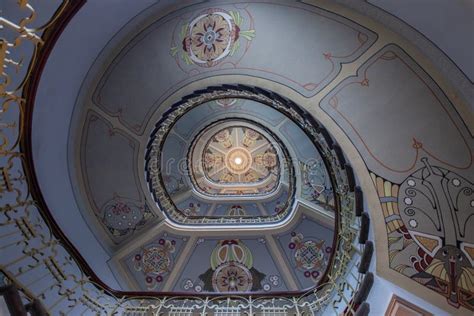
395	114
119	206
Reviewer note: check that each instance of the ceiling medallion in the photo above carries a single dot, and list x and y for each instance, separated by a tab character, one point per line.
211	37
234	158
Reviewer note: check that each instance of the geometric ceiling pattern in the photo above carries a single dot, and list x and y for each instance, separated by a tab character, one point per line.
153	177
235	160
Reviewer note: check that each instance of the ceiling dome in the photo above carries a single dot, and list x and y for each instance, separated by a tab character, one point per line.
234	158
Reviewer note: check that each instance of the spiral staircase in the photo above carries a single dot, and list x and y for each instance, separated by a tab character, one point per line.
193	173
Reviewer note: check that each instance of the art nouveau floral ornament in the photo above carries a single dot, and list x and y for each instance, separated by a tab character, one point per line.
155	261
211	36
428	217
309	255
231	269
436	206
122	215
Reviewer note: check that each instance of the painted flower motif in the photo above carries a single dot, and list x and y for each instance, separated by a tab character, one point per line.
231	269
120	208
232	277
269	160
212	36
212	160
250	133
155	261
227	177
251	176
250	137
122	216
309	255
223	137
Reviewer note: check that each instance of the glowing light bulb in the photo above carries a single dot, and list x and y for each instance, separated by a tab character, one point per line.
238	160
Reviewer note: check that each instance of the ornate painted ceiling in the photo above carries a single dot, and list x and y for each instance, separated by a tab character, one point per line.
208	145
215	165
227	158
234	160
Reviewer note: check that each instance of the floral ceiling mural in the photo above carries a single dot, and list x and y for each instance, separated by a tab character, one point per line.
426	203
212	36
309	254
232	269
224	39
236	160
231	265
151	264
308	248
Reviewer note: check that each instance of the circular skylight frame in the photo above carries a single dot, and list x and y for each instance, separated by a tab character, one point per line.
283	158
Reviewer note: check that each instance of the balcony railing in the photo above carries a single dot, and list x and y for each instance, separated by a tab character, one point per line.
44	273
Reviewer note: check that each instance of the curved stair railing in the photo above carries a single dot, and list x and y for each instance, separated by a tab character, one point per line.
153	163
43	273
